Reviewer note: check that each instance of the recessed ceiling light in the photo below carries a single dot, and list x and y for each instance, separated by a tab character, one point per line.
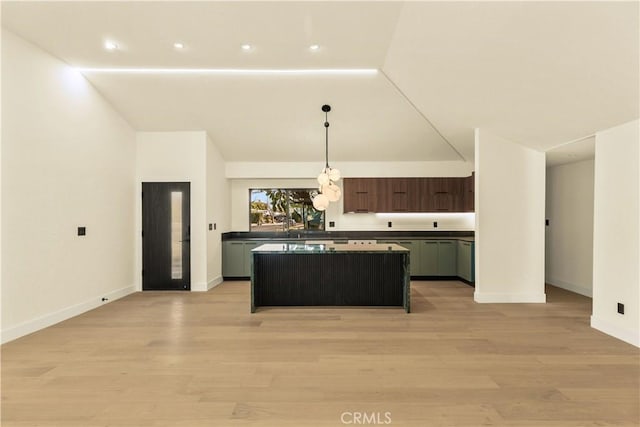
246	46
314	47
110	45
178	45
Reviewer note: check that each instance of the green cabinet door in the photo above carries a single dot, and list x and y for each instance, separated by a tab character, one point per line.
415	264
464	259
233	259
393	242
237	256
466	263
472	262
415	261
447	262
429	257
248	256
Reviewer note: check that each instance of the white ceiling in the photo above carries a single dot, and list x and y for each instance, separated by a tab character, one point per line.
538	73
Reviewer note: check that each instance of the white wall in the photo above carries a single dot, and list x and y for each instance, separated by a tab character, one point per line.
176	157
68	160
569	236
616	232
310	170
1	118
246	175
509	203
217	212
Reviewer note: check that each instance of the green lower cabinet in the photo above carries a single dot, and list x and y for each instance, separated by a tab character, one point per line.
237	257
466	260
415	265
414	255
439	258
447	258
233	259
248	258
429	258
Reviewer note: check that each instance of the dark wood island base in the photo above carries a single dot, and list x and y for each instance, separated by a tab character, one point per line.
330	275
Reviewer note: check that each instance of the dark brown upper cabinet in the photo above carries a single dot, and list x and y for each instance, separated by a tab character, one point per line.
469	193
438	194
442	194
361	195
425	198
393	195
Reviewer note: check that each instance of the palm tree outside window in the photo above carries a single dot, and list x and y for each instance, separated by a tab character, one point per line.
284	209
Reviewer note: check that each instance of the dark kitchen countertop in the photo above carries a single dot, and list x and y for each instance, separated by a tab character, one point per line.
295	248
348	235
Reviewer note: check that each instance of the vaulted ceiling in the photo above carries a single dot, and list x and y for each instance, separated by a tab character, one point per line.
539	73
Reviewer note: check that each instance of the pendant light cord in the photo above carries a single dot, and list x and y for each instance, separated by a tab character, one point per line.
326	144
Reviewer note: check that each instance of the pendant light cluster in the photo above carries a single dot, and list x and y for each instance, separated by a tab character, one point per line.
329	191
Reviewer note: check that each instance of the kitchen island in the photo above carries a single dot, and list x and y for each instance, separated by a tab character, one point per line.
292	274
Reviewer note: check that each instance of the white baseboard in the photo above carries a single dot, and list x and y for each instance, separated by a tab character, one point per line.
199	287
483	297
578	289
214	282
30	326
206	286
627	335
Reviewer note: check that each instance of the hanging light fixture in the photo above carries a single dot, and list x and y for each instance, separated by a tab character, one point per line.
329	191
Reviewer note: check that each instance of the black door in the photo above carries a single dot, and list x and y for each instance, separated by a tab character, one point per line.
166	249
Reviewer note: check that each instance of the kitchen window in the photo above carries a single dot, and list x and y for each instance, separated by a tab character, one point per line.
284	209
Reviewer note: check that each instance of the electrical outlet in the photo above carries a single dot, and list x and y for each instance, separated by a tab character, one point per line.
214	225
82	231
210	226
435	224
546	222
332	224
620	308
389	224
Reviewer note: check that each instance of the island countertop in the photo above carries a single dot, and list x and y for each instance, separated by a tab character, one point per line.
300	248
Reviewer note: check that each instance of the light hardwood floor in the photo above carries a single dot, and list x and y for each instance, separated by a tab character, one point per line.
196	359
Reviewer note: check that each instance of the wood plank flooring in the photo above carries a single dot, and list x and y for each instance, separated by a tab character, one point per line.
202	359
